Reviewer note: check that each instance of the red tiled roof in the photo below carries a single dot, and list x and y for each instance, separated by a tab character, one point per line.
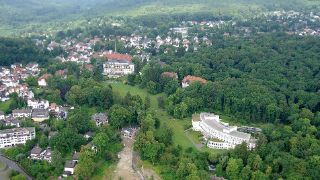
45	76
193	78
169	74
117	56
60	72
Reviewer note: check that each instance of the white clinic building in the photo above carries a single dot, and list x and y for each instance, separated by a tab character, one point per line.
16	136
220	135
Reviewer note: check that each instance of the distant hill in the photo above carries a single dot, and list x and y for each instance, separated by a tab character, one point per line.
15	15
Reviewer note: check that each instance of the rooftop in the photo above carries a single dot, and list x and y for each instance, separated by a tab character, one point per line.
20	111
70	164
169	74
117	56
40	113
193	78
76	156
13	130
36	150
212	121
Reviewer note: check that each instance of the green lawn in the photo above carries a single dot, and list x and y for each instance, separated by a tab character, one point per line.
5	106
123	89
178	126
196	136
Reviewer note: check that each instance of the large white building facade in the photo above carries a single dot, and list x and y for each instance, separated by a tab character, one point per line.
16	136
219	134
118	65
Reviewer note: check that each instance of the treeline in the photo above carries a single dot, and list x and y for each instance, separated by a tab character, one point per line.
21	51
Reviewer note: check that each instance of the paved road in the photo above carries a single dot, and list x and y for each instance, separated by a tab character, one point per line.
13	165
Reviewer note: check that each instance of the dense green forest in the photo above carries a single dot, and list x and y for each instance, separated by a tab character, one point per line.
19	50
263	75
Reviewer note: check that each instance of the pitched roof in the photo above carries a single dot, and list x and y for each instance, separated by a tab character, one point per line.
76	156
20	111
189	79
117	56
36	150
70	164
45	76
169	74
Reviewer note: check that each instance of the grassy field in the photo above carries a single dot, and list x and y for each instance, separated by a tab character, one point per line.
104	170
4	106
122	89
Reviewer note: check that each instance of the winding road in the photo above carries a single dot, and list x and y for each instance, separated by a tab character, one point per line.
13	165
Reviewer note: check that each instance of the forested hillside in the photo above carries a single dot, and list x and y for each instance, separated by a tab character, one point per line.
27	14
21	51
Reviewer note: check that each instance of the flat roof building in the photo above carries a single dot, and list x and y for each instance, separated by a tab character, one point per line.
220	135
16	136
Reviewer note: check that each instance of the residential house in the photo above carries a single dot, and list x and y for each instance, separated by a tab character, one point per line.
58	111
43	80
100	119
69	167
62	73
10	121
22	113
38	104
36	153
170	75
39	115
47	155
129	132
190	79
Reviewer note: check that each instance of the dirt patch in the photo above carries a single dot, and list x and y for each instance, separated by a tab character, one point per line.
124	168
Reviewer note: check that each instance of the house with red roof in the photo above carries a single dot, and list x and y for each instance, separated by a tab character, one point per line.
190	79
170	75
118	65
42	81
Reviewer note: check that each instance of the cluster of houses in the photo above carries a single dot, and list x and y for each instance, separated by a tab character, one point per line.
38	154
38	111
12	80
220	135
79	52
